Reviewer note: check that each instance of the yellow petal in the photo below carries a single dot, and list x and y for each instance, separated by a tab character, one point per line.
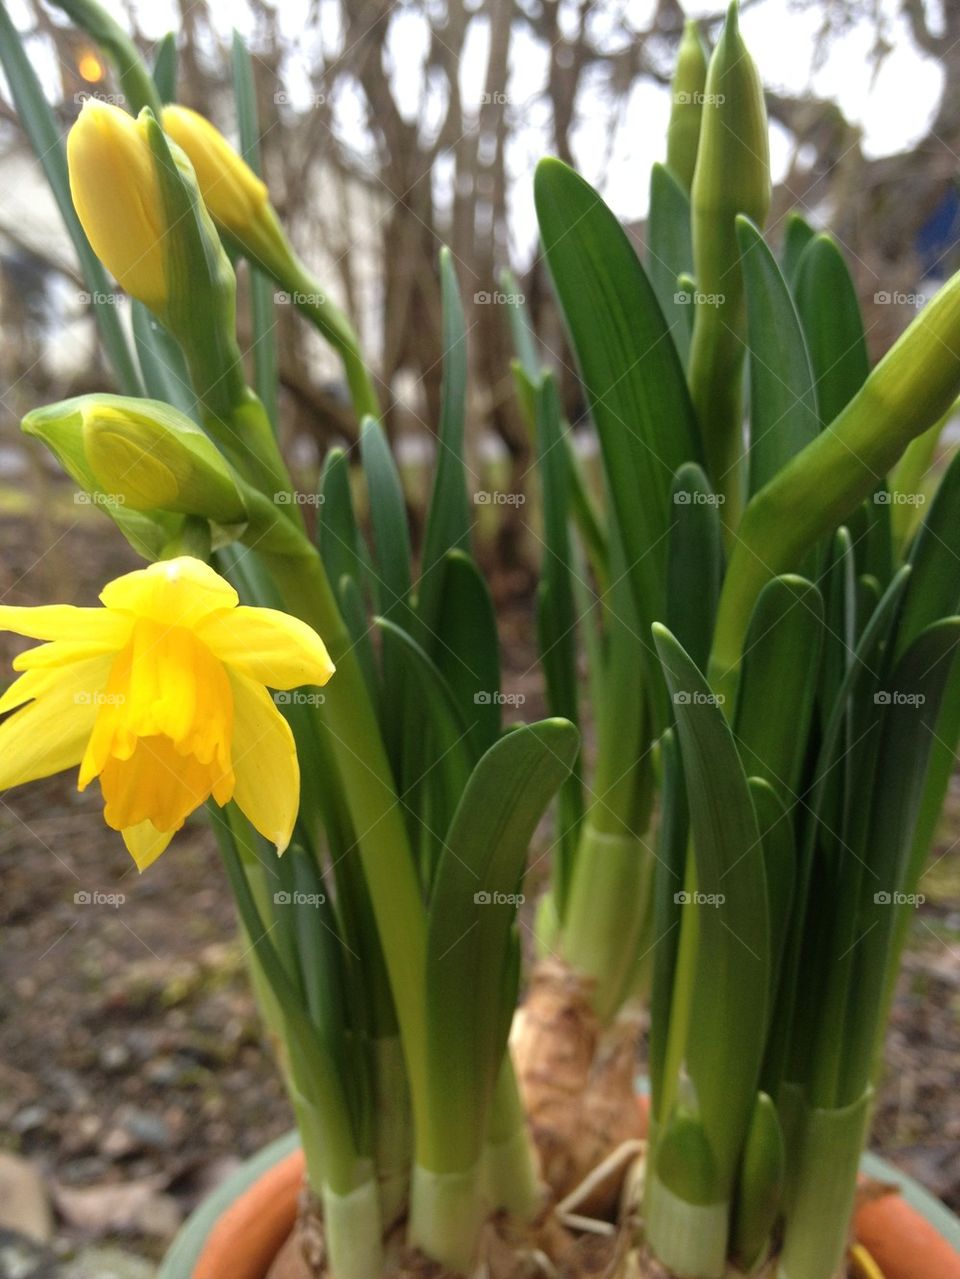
270	647
61	653
179	592
117	196
145	843
51	733
264	762
231	190
65	622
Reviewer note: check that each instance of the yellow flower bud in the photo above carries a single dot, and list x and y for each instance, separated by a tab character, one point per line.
118	199
235	196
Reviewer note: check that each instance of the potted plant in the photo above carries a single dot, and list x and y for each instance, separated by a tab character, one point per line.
772	663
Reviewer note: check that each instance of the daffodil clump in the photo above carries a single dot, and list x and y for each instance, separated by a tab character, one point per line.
773	682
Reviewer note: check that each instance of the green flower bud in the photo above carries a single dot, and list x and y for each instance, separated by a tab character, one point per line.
732	176
143	461
688	87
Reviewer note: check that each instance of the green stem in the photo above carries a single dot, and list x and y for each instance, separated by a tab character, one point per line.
376	815
823	1186
511	1179
446	1213
309	298
393	1135
353	1234
689	1239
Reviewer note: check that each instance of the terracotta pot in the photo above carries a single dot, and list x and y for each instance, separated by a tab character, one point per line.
238	1233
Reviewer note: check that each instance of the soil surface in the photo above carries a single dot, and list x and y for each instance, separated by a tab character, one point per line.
132	1071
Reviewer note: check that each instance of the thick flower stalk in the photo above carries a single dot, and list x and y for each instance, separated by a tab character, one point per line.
162	695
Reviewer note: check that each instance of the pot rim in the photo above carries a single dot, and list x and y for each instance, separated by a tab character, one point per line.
189	1243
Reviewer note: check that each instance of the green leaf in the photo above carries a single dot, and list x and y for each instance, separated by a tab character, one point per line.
668	878
783	402
338	537
162	366
780	863
524	337
760	1186
263	340
556	613
670	253
448	516
388	515
796	237
45	134
471	922
776	694
723	969
694	562
909	391
437	758
135	80
469	656
913	696
633	377
830	312
165	68
934	587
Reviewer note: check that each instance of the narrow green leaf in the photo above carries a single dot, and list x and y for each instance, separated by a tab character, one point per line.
44	132
469	655
338	536
783	402
388	515
165	68
135	80
262	327
934	588
471	920
448	516
830	312
524	337
694	562
775	697
668	878
760	1186
725	985
162	366
633	377
796	237
670	254
911	702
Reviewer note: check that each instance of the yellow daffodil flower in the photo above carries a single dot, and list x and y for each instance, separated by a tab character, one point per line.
117	195
231	190
162	695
